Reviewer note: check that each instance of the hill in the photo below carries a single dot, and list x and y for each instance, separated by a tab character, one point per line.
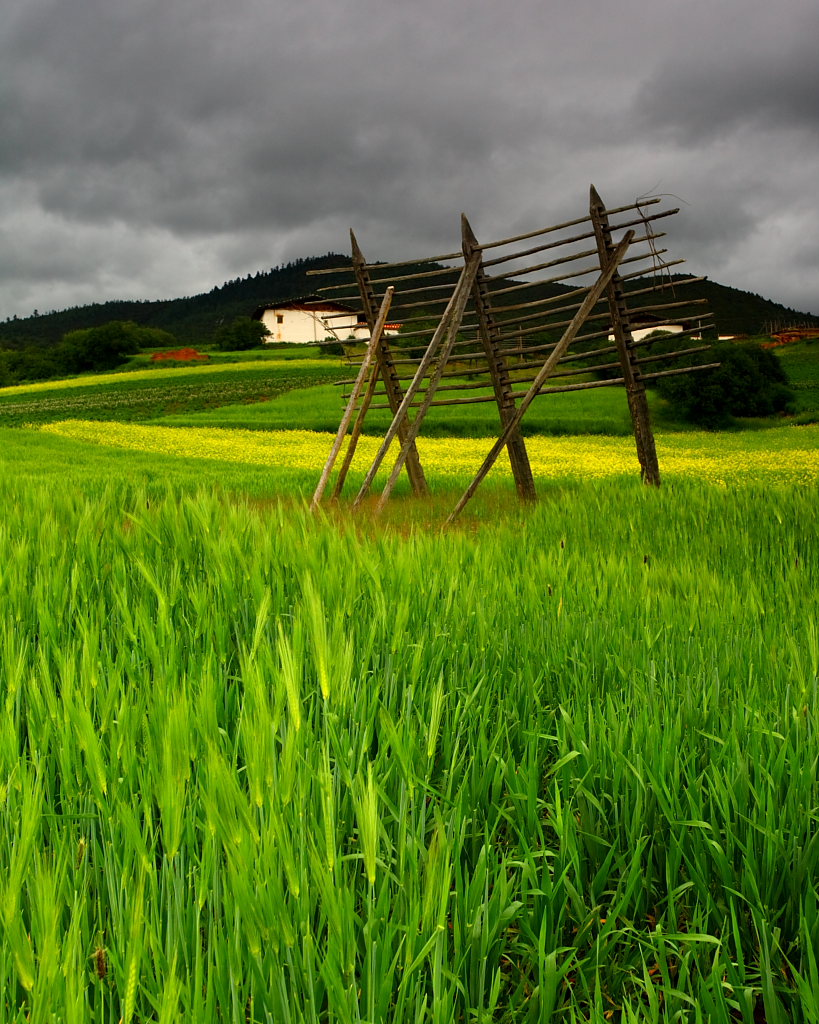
193	320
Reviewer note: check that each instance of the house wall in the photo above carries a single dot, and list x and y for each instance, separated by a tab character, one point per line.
309	327
306	327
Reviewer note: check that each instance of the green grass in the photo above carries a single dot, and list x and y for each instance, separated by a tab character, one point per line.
285	388
557	764
142	360
801	362
604	411
151	393
269	767
57	462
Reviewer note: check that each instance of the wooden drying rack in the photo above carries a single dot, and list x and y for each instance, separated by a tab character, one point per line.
484	337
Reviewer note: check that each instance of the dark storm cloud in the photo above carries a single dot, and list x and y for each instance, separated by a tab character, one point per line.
160	146
766	79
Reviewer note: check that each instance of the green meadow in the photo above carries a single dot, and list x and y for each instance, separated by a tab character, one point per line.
558	763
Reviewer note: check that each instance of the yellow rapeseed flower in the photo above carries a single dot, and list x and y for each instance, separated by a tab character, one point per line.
789	455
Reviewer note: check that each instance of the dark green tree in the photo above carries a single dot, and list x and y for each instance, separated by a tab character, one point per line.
107	346
243	333
750	381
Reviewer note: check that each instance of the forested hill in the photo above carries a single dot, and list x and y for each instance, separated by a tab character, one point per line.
739	312
192	320
195	319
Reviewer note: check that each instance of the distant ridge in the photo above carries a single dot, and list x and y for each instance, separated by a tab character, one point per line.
193	320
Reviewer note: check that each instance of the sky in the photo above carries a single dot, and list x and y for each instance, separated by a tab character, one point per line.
156	148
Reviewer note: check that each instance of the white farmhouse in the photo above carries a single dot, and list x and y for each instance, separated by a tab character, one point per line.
311	320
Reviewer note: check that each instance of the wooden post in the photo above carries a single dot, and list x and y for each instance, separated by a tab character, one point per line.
492	339
363	373
453	318
385	363
449	324
359	423
555	356
621	328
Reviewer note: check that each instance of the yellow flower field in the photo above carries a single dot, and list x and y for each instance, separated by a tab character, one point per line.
786	455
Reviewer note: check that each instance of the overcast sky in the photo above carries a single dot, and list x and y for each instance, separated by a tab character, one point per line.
155	148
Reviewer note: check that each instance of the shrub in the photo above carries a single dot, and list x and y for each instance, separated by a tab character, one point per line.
107	346
750	381
242	334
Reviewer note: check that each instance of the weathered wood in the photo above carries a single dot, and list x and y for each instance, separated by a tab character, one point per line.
449	325
642	221
390	266
366	364
529	349
568	358
587	385
638	205
440	272
635	389
564	225
475	385
658	307
427	288
498	371
679	371
523	253
672	355
580	272
385	366
462	292
607	272
531	269
653	272
357	427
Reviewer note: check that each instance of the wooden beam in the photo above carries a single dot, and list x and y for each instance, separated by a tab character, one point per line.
491	339
456	316
385	363
364	372
449	326
635	389
608	271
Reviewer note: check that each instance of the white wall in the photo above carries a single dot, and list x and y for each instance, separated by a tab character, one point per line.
306	327
309	327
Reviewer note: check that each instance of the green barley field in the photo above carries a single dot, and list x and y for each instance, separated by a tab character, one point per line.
559	763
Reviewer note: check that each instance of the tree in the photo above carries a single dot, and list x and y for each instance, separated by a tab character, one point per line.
107	346
750	381
242	334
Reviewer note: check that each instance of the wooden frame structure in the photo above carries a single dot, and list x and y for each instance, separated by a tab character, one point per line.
472	328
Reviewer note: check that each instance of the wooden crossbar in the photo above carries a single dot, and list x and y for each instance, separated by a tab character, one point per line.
467	341
548	367
367	364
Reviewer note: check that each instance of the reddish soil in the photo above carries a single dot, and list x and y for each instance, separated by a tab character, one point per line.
182	355
789	337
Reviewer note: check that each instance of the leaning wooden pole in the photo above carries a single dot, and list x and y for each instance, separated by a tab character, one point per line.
363	373
555	356
492	340
407	432
363	409
386	366
623	339
455	318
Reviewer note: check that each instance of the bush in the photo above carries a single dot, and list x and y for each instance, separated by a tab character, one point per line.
750	381
242	334
107	346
